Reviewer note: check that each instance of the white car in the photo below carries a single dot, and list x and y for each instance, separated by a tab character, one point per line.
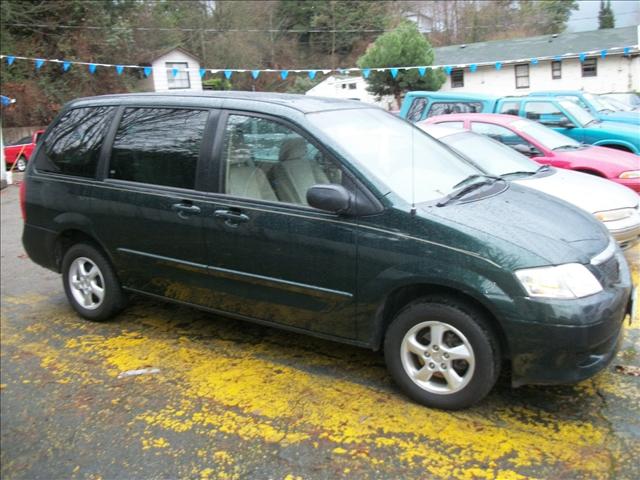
616	206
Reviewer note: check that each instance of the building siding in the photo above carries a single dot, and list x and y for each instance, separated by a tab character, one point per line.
160	74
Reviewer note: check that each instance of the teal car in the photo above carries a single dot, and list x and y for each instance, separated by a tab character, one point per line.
565	116
600	109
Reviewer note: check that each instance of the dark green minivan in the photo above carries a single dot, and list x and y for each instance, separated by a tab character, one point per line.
326	217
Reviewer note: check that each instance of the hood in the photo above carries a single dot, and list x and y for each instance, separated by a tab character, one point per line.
621	129
533	228
624	117
616	161
588	192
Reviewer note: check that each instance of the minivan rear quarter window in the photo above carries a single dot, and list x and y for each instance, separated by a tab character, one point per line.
73	145
159	146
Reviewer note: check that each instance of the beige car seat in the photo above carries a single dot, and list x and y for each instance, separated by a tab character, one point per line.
294	173
244	178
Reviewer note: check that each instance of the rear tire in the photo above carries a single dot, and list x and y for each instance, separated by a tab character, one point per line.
91	285
442	353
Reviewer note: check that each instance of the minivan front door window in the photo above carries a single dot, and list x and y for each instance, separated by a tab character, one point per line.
267	160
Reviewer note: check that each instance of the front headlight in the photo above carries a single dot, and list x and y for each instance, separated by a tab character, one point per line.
630	174
614	215
571	280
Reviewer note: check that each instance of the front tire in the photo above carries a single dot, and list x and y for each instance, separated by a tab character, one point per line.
442	353
91	285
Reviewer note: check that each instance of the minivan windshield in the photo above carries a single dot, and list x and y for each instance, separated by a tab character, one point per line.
583	117
397	154
491	156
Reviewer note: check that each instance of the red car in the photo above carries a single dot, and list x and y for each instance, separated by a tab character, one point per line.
549	147
19	152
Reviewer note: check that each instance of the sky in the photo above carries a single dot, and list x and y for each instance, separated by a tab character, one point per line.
626	12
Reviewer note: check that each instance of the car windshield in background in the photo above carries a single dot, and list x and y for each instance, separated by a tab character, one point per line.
616	104
580	114
545	136
599	104
491	156
396	153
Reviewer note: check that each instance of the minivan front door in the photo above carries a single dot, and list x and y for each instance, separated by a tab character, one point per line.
148	212
271	256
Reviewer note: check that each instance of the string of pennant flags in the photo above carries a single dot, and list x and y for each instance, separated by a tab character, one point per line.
312	73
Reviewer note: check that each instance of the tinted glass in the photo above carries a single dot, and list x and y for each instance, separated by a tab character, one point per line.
159	146
445	108
73	145
266	160
394	154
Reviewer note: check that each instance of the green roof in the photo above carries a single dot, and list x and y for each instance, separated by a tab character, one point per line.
536	47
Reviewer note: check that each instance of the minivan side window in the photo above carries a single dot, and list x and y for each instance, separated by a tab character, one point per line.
159	146
73	146
445	108
267	160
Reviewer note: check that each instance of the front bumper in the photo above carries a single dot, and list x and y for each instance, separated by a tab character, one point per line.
626	237
566	341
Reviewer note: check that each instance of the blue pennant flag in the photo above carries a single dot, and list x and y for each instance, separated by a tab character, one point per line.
255	74
5	100
422	71
626	51
498	65
66	66
603	53
366	72
174	72
473	67
447	70
227	74
92	68
394	72
39	63
534	61
10	59
119	69
284	74
558	58
582	57
312	74
147	71
202	72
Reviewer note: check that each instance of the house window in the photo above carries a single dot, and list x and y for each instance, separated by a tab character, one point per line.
590	67
352	86
556	70
181	79
522	75
457	78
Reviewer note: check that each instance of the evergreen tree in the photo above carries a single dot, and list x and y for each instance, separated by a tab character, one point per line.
606	18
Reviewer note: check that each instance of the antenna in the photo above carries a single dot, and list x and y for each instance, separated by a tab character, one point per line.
413	174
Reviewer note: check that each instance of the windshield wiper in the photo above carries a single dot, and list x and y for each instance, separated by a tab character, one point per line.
543	168
473	177
528	173
570	147
468	189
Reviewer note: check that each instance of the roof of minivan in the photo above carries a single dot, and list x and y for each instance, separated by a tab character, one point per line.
302	103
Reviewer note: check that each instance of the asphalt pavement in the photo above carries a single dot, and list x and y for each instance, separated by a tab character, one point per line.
165	391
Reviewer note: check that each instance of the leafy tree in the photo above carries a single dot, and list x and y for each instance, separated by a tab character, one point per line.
403	46
549	16
606	19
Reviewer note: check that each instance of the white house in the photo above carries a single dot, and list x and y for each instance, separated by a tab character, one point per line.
173	69
614	72
346	87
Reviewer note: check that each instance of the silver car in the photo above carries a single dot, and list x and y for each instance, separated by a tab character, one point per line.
616	206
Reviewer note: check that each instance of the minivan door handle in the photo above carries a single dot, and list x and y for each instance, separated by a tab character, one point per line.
231	218
185	210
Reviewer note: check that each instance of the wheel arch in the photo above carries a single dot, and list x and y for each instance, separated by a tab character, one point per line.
402	296
617	145
72	236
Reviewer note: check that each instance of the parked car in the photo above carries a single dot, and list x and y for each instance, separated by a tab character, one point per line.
631	99
549	147
616	105
565	116
617	207
596	107
19	152
365	231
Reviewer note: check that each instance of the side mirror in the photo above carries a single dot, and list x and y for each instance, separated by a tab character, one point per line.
528	150
329	197
566	123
